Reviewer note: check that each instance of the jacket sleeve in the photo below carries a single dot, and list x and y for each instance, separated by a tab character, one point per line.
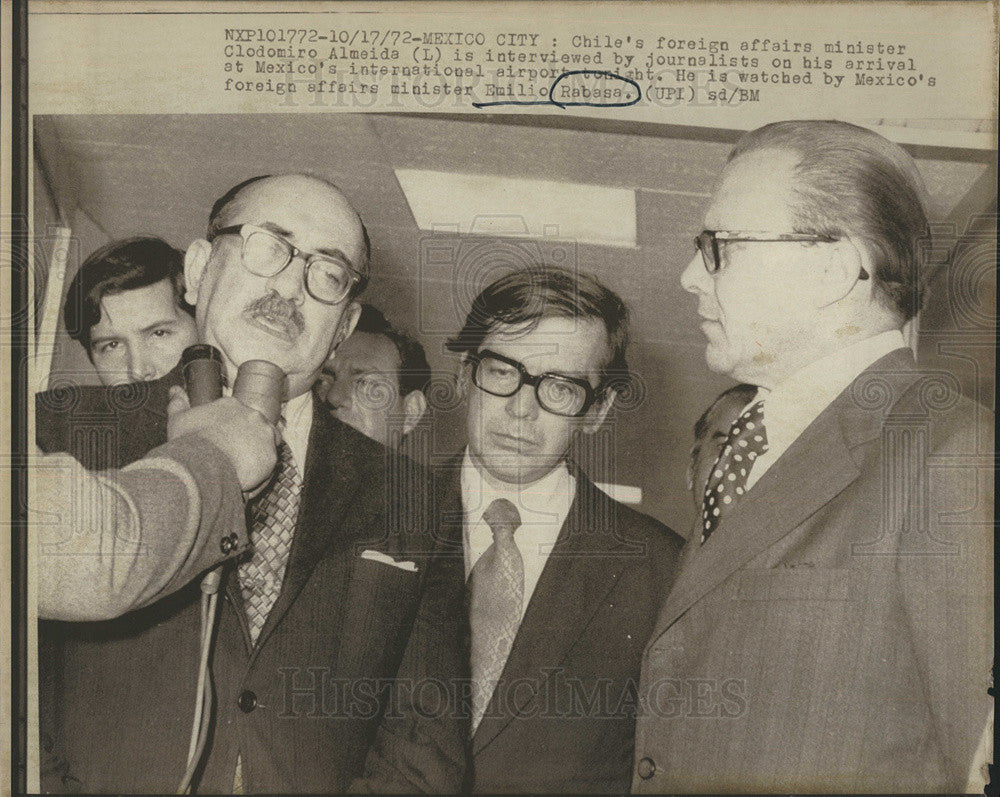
115	541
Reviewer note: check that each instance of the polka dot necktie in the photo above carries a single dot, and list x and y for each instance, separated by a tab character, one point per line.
497	590
273	517
727	483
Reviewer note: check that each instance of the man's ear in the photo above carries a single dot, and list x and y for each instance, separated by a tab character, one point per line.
595	417
843	266
414	407
348	320
195	261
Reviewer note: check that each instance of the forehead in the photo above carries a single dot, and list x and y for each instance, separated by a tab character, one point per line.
139	307
755	193
368	351
553	343
315	215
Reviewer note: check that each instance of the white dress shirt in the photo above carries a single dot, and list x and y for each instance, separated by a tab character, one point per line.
543	506
298	415
795	403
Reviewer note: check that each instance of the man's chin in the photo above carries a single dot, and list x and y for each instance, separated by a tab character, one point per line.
513	469
718	359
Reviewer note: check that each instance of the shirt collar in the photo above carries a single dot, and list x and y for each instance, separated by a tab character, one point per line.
795	403
297	413
549	496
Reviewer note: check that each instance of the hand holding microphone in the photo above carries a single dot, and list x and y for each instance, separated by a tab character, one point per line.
243	426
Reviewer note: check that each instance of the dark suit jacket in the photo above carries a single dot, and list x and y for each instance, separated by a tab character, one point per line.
563	713
306	703
835	632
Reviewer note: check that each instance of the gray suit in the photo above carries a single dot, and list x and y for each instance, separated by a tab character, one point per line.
835	632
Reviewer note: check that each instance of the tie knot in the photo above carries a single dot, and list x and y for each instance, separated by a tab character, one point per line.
502	517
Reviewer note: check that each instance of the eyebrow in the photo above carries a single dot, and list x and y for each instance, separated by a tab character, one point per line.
333	254
145	330
157	324
568	374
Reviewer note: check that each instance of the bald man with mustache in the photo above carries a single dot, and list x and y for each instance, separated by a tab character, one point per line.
342	611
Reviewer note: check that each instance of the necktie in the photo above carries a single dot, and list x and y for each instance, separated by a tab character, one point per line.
497	587
273	516
747	440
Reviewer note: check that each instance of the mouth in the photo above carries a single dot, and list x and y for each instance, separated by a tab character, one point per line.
514	443
709	323
275	326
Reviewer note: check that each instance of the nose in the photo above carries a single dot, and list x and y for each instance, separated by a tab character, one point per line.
339	393
523	404
140	367
695	278
289	283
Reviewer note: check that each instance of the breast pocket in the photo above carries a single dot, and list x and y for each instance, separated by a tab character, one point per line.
795	584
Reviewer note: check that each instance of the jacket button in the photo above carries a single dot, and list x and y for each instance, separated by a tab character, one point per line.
247	701
646	768
226	545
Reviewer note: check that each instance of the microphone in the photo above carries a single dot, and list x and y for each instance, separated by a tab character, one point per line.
262	386
202	367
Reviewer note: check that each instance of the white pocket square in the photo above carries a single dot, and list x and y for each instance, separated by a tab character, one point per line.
377	556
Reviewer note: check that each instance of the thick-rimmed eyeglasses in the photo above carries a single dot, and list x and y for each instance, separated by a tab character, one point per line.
561	395
707	242
267	254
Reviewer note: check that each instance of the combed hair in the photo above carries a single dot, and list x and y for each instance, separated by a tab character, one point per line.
529	294
226	199
853	182
119	266
414	370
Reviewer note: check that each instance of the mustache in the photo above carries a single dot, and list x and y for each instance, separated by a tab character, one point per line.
274	308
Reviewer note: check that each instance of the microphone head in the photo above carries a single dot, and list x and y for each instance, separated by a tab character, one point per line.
201	351
202	368
263	386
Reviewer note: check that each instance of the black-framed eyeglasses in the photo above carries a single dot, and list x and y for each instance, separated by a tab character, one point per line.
707	242
267	254
561	395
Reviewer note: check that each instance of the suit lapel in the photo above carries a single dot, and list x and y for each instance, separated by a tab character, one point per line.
583	567
812	471
327	490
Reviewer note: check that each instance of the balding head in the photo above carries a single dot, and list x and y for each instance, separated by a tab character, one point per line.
279	317
224	207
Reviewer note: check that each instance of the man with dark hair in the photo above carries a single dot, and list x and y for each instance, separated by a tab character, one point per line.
831	625
564	582
318	680
377	379
125	306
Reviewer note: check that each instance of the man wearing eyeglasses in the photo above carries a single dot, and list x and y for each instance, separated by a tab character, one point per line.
313	640
838	576
564	582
